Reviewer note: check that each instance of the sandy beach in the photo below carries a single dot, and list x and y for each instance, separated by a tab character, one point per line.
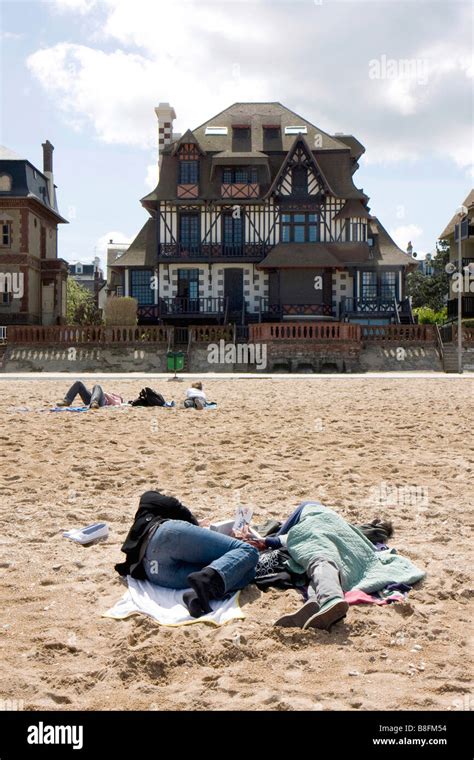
270	444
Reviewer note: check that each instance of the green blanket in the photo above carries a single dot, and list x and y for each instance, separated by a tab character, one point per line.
323	533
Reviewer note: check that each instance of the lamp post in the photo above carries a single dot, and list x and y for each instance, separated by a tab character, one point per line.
462	211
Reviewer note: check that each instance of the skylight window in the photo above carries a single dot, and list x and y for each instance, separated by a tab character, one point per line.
216	130
296	130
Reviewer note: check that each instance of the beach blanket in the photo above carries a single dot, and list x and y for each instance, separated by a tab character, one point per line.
321	532
166	606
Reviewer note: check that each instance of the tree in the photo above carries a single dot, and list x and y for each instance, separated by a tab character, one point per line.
81	308
431	291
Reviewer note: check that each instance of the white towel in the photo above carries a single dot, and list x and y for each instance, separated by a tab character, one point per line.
166	605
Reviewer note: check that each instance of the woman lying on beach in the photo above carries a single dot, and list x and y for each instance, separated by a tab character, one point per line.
336	557
168	546
93	399
195	396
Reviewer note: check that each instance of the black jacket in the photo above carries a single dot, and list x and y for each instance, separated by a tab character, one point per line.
154	508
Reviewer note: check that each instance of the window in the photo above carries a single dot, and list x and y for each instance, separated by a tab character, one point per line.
216	130
78	268
388	286
140	286
188	172
246	175
232	232
189	231
296	130
188	283
5	183
299	180
299	228
6	234
271	138
355	231
241	139
369	286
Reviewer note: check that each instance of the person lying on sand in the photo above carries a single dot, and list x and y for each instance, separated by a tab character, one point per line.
168	546
336	557
93	399
195	396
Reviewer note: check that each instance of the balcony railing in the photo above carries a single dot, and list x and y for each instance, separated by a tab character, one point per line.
294	309
351	305
208	251
467	307
182	307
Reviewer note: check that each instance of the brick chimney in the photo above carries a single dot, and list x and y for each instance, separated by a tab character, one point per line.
165	115
48	171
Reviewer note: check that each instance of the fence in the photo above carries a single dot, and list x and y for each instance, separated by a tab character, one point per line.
301	331
85	336
398	333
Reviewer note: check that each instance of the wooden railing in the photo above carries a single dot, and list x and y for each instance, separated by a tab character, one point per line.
350	305
212	333
304	331
90	335
467	307
398	333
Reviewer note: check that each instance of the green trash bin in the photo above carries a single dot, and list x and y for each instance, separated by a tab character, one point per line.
175	361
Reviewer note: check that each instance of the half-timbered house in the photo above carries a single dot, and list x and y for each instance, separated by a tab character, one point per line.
256	217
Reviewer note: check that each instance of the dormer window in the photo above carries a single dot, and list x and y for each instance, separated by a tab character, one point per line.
299	181
188	172
296	130
215	131
240	175
5	183
272	137
78	268
241	138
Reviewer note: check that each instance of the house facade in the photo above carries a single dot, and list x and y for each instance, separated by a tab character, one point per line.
32	277
465	227
256	218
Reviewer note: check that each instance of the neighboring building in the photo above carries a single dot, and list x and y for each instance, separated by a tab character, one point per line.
29	219
451	234
256	217
115	277
90	276
425	266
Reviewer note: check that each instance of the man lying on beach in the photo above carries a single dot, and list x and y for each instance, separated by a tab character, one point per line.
195	396
336	557
168	546
93	399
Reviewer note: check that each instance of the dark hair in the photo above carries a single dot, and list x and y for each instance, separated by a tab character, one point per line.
378	531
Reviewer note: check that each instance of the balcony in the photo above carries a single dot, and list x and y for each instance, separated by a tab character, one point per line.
349	306
291	310
467	307
182	308
240	190
211	252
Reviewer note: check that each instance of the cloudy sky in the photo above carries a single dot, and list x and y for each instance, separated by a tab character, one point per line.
86	74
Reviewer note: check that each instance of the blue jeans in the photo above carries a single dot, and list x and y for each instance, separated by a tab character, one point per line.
87	397
178	548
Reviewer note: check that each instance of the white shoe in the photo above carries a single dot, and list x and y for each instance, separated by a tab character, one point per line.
89	534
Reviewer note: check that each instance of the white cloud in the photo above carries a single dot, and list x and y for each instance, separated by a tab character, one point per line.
103	241
406	233
77	6
202	56
151	179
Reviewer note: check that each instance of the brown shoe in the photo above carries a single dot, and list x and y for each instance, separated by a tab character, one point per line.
330	613
300	617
